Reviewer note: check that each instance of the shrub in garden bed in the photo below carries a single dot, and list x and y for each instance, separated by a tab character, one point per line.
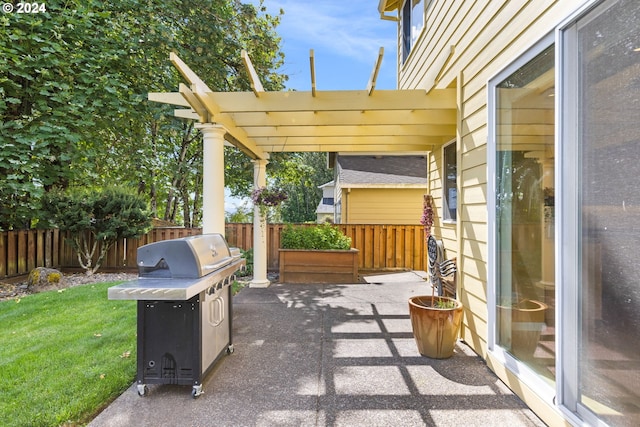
320	237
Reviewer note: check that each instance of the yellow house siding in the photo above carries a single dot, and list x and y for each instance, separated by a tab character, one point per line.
501	26
474	231
476	158
519	30
442	20
384	205
475	315
474	102
475	121
444	24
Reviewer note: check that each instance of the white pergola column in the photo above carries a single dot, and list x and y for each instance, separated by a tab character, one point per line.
259	230
212	178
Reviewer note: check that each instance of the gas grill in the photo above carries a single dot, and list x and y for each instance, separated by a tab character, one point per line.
183	291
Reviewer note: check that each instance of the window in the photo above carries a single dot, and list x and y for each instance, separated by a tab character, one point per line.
449	182
523	210
327	201
412	22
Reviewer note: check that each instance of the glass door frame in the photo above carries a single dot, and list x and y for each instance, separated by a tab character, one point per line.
569	218
518	368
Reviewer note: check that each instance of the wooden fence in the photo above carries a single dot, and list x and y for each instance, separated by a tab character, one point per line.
382	247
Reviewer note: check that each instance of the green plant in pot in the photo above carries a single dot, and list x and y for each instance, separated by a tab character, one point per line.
435	319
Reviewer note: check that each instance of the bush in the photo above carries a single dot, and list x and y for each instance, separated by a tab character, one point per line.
322	237
96	220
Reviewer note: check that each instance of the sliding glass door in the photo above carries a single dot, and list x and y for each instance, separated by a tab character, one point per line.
601	205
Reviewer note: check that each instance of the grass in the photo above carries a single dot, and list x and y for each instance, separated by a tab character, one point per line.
64	355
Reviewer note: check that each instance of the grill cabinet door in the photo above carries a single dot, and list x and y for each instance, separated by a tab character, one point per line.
169	341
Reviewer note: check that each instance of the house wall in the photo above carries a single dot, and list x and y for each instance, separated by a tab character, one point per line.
382	205
487	35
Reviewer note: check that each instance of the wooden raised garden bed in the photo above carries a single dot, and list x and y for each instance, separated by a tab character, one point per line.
318	266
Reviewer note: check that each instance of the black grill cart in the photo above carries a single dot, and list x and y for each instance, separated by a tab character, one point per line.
183	291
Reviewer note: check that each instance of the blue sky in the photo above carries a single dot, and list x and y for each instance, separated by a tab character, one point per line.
345	37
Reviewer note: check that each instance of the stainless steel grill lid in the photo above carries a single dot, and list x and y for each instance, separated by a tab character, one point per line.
189	257
181	268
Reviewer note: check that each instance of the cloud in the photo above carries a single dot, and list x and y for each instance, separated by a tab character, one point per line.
351	29
345	36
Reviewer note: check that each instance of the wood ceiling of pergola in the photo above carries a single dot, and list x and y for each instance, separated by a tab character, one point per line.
373	121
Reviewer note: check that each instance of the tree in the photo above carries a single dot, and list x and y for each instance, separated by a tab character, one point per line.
74	84
300	176
96	220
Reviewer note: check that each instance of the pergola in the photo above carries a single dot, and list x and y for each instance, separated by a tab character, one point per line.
260	122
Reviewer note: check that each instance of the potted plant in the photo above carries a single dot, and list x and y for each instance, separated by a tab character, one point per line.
436	324
266	197
317	254
435	319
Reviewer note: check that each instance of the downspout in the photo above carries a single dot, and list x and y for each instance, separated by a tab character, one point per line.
460	261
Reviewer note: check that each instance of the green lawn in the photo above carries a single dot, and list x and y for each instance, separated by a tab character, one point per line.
64	355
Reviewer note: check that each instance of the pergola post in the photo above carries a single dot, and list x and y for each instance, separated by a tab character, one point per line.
259	230
212	178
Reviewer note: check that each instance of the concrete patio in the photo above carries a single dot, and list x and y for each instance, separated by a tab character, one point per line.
329	355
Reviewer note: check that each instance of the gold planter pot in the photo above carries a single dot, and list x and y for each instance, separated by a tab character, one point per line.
435	329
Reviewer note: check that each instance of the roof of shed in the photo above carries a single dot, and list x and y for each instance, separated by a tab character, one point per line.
381	171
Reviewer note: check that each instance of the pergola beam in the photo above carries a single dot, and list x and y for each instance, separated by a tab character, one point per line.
350	130
195	103
256	85
247	145
323	147
286	143
344	118
312	64
374	74
188	74
171	98
186	113
408	100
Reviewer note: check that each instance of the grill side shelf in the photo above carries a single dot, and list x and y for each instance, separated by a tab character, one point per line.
174	289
